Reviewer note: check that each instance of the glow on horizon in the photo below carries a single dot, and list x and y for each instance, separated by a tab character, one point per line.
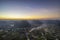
34	14
27	17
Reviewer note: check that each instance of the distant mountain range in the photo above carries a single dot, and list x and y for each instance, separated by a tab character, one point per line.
26	23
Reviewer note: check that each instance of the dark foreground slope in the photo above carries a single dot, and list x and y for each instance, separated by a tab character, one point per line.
29	29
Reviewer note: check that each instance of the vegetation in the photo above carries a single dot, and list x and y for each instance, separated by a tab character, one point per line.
40	34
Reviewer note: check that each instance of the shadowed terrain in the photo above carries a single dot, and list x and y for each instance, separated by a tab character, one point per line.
29	29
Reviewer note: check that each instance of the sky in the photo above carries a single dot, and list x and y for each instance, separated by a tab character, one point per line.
29	9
